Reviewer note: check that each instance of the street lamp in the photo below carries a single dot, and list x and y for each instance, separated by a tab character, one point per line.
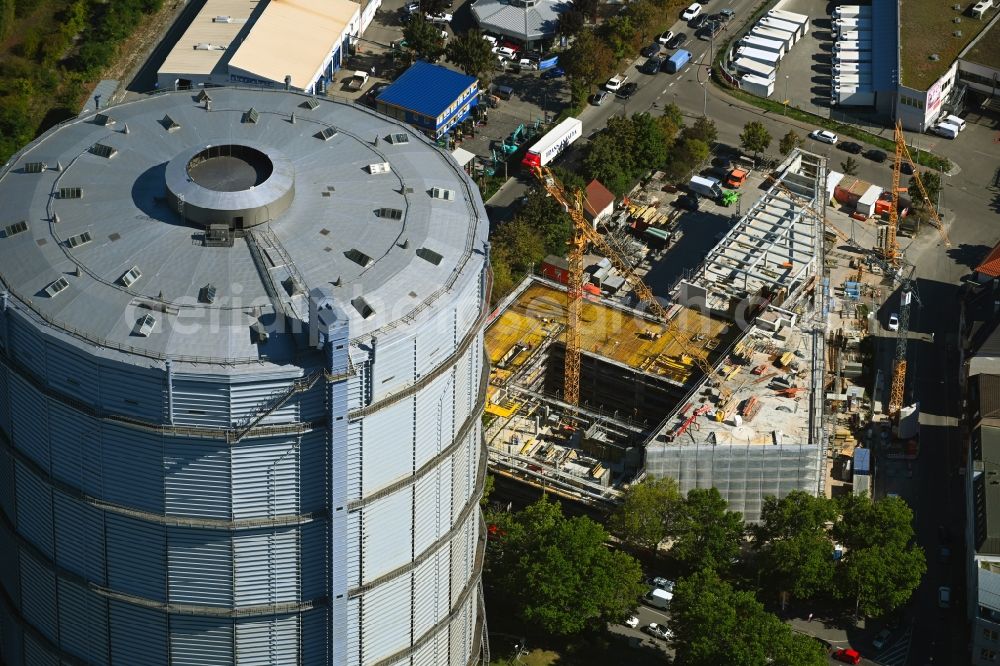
784	111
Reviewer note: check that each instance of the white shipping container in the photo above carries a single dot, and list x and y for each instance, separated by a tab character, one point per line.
852	80
748	66
791	17
764	44
757	85
787	26
841	26
852	46
852	11
767	57
856	36
852	56
774	34
842	68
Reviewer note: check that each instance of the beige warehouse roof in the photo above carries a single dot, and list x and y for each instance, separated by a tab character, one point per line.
204	30
293	38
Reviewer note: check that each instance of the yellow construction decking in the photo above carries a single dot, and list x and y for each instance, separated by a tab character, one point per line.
540	311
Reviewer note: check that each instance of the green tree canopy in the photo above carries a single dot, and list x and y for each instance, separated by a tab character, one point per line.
714	624
424	38
932	183
755	138
629	147
794	544
557	573
546	215
882	566
706	534
789	142
588	59
570	22
702	129
647	512
472	53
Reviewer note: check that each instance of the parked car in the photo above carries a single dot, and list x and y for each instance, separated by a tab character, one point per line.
727	14
944	596
710	30
505	52
687	202
692	11
553	73
894	322
659	631
880	639
875	155
847	655
906	168
598	97
627	90
699	21
665	37
652	66
651	50
944	554
616	82
825	136
677	41
632	621
444	17
663	583
850	147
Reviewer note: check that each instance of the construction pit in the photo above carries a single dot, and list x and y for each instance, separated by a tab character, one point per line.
755	315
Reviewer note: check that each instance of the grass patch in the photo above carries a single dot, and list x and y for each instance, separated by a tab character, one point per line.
488	185
987	49
926	27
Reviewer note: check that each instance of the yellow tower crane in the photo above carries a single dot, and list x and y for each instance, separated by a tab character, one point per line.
584	233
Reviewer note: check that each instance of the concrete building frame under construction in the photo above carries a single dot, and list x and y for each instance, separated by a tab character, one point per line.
755	309
241	387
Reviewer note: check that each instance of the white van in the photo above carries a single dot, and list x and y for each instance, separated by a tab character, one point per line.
946	130
954	120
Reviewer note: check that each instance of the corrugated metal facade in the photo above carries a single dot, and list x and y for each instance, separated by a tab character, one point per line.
349	535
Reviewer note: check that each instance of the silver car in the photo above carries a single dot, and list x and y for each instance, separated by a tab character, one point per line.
598	97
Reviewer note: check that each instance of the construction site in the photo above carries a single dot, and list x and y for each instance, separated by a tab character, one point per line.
718	383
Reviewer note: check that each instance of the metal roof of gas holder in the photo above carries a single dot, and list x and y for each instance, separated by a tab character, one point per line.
426	89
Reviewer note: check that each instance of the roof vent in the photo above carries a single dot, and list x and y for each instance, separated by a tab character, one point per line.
130	276
55	217
379	167
439	193
251	116
103	150
79	239
935	57
56	287
358	257
957	33
400	138
957	19
204	46
169	124
104	120
144	325
429	255
292	286
222	19
326	133
390	213
309	104
207	293
34	167
14	229
363	308
203	96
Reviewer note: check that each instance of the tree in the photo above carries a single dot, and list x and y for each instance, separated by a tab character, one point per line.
519	245
795	547
849	166
646	513
755	137
673	113
587	7
424	38
570	22
471	53
789	142
686	157
715	624
550	222
556	573
706	534
932	183
435	7
703	129
881	566
588	59
488	484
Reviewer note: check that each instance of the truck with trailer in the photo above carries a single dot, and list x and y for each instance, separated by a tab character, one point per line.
860	80
791	17
705	186
851	46
840	26
553	143
852	11
847	68
852	56
856	36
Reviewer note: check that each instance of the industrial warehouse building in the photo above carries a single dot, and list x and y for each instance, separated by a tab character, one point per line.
430	97
298	45
241	385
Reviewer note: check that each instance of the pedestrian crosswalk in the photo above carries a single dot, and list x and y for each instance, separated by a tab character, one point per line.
896	652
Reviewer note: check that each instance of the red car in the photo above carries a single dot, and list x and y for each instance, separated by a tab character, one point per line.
847	655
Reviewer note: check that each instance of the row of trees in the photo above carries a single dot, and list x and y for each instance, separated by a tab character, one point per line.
791	548
58	47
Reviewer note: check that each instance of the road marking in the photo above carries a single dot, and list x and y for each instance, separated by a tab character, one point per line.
670	85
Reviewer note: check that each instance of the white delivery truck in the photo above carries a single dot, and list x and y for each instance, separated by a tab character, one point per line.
852	11
658	598
856	36
706	187
840	26
553	143
852	56
947	130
